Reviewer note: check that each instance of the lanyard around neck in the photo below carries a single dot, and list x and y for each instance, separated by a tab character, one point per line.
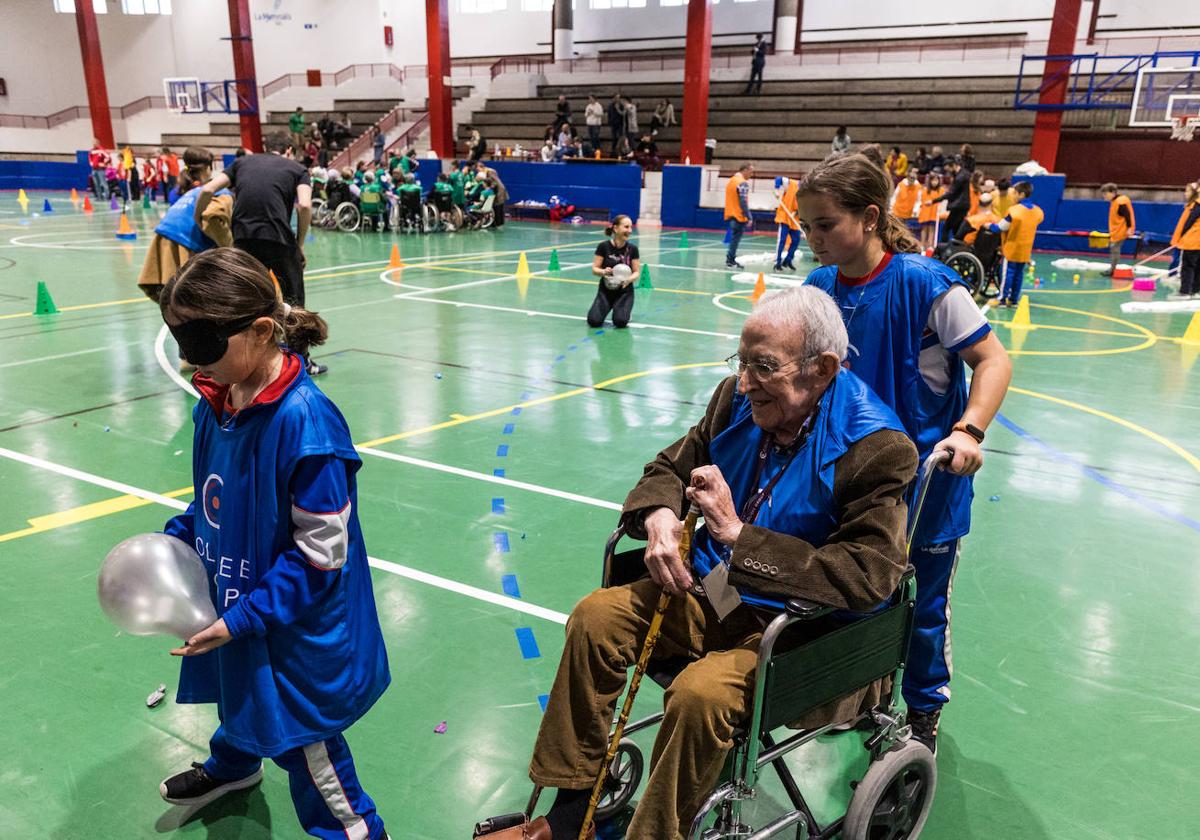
754	504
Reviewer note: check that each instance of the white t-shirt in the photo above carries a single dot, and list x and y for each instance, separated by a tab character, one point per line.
594	113
958	324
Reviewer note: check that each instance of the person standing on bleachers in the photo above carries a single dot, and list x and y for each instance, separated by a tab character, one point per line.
758	62
593	116
841	141
296	127
562	112
737	210
616	120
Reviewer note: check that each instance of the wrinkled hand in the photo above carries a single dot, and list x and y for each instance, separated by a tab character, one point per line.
662	559
966	456
210	638
712	495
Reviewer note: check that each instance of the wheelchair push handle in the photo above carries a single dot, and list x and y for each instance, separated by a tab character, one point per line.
929	466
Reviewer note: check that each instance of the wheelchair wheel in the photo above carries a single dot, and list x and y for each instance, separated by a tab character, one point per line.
347	217
486	220
318	212
624	776
967	266
394	216
429	217
456	217
893	799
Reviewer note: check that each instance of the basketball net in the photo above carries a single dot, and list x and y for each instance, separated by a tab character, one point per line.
1184	128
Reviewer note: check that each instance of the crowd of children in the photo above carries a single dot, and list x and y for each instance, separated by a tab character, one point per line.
127	174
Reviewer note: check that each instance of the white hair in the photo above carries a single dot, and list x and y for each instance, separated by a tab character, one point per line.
809	312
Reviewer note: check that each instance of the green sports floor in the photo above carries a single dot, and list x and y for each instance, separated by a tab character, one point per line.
499	436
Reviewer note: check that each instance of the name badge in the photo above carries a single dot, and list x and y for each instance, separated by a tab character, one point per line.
720	593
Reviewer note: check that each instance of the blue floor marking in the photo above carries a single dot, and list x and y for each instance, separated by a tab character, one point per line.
502	450
509	584
498	471
529	648
498	506
543	699
500	540
508	428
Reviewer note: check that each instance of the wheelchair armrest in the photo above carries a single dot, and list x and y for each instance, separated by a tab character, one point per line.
806	610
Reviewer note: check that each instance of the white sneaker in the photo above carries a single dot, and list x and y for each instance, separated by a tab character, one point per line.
1179	296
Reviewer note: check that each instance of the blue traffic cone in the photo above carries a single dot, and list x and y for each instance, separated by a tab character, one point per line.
46	208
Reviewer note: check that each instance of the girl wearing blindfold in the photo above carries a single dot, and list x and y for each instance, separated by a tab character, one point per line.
297	655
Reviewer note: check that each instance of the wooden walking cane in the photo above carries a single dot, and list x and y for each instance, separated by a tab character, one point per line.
664	599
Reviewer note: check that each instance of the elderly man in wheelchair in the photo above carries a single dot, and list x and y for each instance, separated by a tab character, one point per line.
793	607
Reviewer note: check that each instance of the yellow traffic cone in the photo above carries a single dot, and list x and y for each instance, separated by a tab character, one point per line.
523	266
760	288
21	197
1192	334
1021	320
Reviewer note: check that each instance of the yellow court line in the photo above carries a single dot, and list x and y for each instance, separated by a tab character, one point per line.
1150	338
460	419
1115	290
77	307
83	513
1112	418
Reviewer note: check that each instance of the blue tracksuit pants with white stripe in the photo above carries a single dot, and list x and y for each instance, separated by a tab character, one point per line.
325	790
927	673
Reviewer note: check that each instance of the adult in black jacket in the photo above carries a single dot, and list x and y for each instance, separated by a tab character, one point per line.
958	196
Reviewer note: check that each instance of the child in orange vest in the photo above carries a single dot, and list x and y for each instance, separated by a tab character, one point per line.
930	207
1021	225
1120	223
907	197
789	224
1187	239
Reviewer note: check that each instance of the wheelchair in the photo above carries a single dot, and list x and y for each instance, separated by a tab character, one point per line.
408	213
484	217
980	264
809	655
441	213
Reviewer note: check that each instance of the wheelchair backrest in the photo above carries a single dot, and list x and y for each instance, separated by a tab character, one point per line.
987	245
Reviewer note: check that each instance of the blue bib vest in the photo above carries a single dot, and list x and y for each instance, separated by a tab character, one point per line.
887	327
179	224
311	679
801	503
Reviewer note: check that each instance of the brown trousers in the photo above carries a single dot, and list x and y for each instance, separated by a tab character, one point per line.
703	705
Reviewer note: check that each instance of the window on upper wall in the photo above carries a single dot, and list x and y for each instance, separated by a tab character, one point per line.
146	7
481	7
68	6
672	2
618	4
538	5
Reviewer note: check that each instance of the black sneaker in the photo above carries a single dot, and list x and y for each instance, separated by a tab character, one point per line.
315	369
924	727
778	267
732	264
789	265
195	787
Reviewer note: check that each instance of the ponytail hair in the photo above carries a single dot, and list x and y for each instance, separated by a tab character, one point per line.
227	284
856	183
195	161
612	226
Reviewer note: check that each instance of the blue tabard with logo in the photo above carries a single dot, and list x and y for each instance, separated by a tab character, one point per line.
801	504
179	224
886	319
311	678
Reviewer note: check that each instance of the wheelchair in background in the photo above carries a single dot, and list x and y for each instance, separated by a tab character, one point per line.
980	263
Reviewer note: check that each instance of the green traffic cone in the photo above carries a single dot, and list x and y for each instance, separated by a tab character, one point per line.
683	240
145	201
644	280
45	303
554	266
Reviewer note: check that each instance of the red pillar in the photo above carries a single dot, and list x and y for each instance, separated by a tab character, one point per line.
1047	124
243	69
93	73
437	44
695	80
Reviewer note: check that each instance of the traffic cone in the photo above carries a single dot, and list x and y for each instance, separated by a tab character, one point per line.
21	197
145	201
87	204
644	279
124	231
112	205
1021	320
683	240
74	196
1192	334
522	267
760	288
45	303
395	262
46	208
554	266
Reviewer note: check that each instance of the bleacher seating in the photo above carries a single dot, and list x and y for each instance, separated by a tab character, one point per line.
789	126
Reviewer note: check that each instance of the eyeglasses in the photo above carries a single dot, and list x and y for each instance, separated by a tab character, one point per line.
760	370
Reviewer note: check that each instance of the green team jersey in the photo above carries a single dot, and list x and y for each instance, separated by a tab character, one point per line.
410	188
443	187
393	162
407	164
371	195
458	187
296	123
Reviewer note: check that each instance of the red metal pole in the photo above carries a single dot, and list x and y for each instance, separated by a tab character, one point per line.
437	42
1047	125
93	73
697	60
243	68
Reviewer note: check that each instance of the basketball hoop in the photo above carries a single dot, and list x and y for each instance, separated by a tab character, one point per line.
182	94
1184	126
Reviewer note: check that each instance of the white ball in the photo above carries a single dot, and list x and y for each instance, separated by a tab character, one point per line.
620	274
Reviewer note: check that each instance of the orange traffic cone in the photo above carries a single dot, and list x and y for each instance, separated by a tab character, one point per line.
74	196
395	261
760	288
87	204
124	231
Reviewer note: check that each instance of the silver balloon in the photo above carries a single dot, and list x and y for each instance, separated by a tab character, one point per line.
154	583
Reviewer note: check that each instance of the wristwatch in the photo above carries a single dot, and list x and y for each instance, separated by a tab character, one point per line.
971	429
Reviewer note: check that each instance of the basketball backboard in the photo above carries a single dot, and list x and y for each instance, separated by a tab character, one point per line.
1162	94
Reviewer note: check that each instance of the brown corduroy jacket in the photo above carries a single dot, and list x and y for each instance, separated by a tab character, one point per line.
857	568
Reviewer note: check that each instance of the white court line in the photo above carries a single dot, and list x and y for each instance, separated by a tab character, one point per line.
67	355
171	369
493	479
717	302
633	325
383	565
